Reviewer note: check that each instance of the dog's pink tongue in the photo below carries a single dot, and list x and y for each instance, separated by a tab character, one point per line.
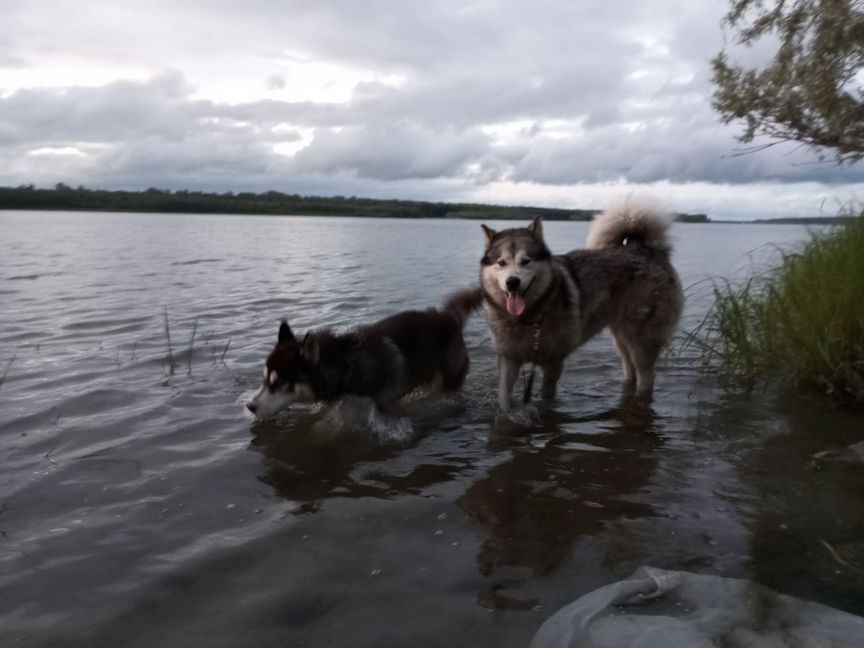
515	304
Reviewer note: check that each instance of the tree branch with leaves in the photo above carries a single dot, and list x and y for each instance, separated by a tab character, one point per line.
812	91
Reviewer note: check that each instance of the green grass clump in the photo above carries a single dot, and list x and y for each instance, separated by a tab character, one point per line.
802	321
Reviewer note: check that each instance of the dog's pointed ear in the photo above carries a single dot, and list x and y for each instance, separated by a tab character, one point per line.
490	234
309	350
536	228
285	334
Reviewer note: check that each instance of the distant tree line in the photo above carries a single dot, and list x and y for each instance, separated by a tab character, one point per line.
64	197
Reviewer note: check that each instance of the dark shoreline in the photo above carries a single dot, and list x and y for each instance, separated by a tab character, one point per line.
274	203
64	198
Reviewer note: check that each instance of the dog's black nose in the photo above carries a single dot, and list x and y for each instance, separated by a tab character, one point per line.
512	283
251	406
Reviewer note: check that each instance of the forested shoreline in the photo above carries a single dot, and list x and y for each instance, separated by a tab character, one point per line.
64	197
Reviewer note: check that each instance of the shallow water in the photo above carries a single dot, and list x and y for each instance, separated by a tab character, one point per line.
141	506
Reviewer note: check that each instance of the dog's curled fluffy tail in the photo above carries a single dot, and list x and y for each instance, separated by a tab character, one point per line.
631	222
460	305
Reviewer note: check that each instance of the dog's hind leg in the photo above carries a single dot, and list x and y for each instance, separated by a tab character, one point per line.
627	363
551	374
394	384
644	359
386	401
508	372
454	368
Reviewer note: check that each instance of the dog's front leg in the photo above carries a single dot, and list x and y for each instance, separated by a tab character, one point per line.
508	372
551	374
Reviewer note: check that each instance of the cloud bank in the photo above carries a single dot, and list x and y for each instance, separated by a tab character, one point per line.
549	103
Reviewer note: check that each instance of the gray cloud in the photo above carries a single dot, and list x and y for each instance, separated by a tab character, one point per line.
660	152
114	112
396	152
276	82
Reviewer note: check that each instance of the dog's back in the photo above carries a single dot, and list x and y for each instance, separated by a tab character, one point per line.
625	274
430	342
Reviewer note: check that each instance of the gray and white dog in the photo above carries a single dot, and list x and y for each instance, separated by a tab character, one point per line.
542	307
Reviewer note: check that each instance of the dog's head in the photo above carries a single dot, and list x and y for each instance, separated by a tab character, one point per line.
515	268
286	373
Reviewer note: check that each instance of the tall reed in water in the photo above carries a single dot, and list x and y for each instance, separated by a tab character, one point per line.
802	321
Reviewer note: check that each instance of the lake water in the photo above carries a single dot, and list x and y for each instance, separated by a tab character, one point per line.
140	505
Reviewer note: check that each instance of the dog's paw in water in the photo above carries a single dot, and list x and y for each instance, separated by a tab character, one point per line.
525	415
353	415
388	429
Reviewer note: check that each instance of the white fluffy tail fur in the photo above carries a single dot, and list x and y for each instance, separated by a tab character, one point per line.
631	221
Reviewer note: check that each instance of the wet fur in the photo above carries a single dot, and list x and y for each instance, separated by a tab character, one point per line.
383	361
626	283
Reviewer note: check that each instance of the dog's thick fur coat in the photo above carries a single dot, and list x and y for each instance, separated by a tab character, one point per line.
542	307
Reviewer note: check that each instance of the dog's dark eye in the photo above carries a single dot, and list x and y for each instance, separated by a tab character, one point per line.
502	262
525	261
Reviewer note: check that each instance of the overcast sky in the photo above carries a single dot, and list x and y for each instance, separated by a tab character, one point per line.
565	103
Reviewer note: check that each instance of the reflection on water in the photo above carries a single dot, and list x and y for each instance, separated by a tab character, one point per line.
302	469
141	507
806	532
340	450
560	485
